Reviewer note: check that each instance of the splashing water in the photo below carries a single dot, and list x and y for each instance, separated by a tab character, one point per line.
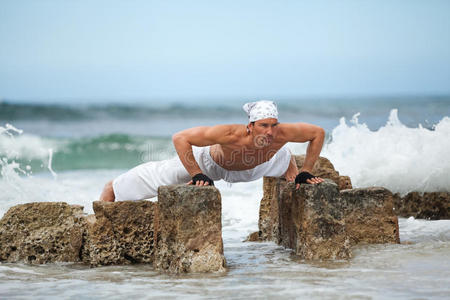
14	184
397	157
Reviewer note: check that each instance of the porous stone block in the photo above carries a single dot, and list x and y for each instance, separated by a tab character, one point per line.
268	209
321	222
190	230
273	186
43	232
312	221
369	215
121	233
431	205
324	168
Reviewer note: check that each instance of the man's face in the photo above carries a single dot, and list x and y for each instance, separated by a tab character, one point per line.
264	131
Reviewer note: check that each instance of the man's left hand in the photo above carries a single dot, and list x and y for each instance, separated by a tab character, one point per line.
306	177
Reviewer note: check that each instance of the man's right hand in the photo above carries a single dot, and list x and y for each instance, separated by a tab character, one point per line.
201	179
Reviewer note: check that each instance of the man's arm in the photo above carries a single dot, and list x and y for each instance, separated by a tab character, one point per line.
199	136
301	133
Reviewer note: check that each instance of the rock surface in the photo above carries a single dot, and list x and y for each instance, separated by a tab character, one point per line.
432	206
42	232
268	209
312	221
321	222
121	233
369	215
273	186
190	230
325	169
188	227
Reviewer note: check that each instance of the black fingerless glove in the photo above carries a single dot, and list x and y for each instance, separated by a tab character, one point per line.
200	177
302	177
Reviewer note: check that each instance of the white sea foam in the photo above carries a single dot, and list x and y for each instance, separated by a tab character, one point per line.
395	156
413	230
240	207
24	146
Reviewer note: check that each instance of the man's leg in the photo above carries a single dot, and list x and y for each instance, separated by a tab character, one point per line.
108	193
142	181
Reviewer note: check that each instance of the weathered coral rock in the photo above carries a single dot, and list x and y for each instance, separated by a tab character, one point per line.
272	187
42	232
268	209
121	233
312	221
252	237
369	215
344	183
325	169
433	206
190	230
321	222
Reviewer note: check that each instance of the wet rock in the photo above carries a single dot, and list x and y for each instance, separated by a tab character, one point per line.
432	206
253	237
369	215
325	169
344	183
121	233
42	232
268	209
312	221
190	230
321	222
273	186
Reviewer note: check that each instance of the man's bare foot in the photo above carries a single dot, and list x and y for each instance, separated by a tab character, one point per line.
108	193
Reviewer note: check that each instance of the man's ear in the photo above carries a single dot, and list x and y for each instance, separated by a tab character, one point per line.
250	127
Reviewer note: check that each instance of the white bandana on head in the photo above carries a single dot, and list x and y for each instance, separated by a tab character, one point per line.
260	110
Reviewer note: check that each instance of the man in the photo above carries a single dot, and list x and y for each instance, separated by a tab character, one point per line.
234	153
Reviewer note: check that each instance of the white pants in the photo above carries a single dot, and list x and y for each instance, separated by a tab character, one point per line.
142	182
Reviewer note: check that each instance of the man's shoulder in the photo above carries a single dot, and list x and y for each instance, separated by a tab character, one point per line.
230	131
286	127
288	131
228	128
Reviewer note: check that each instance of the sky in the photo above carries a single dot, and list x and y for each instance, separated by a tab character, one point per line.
133	50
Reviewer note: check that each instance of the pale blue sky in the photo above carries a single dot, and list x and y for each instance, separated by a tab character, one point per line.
148	50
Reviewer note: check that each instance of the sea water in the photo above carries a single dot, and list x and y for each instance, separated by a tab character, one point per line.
64	153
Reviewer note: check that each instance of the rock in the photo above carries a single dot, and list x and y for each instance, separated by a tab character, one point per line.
272	187
369	216
121	233
312	221
432	205
344	183
321	222
325	169
190	230
268	209
253	237
42	232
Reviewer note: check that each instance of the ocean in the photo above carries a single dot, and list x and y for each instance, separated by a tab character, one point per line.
61	152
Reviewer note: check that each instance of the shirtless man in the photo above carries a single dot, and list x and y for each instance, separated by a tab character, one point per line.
235	153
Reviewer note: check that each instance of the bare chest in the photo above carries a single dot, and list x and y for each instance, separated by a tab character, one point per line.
241	158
